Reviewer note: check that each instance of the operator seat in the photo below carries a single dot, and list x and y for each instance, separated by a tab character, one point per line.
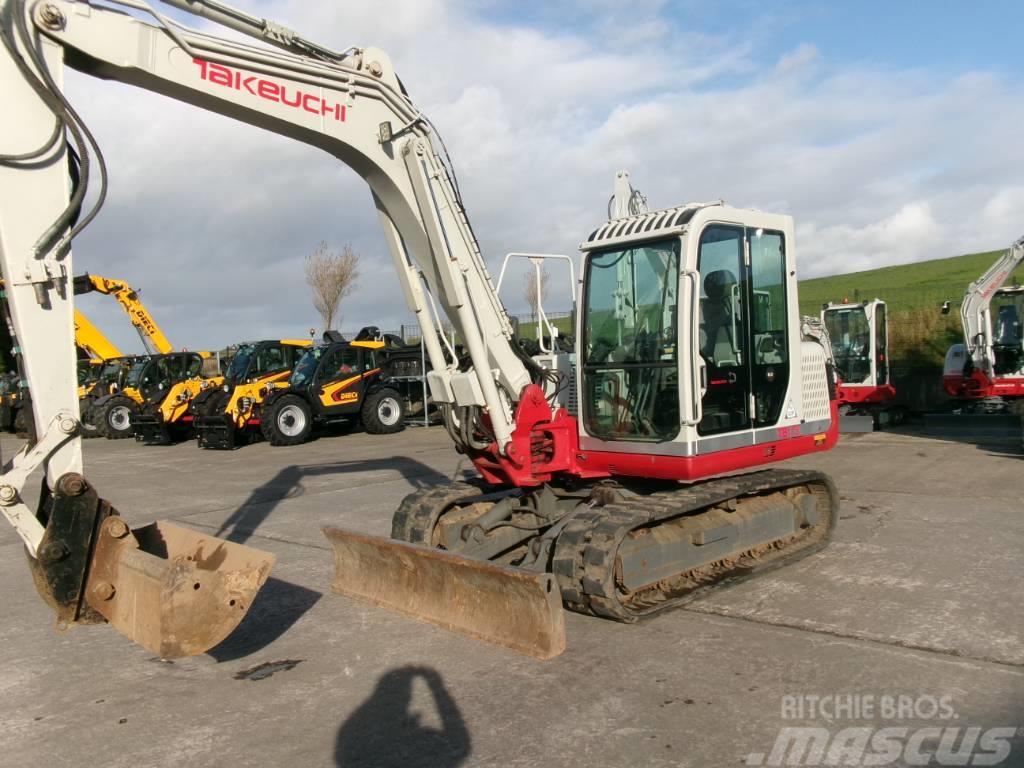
716	324
718	347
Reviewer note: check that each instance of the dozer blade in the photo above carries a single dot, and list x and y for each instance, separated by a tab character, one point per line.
517	609
173	591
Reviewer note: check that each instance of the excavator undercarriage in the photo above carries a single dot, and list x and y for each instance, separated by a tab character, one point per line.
615	551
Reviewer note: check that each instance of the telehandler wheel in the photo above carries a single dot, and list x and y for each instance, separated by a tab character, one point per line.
25	422
114	420
288	421
384	412
90	428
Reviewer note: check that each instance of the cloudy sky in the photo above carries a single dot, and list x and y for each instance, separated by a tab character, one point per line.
890	132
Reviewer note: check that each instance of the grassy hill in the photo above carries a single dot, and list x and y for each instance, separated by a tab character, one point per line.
919	334
924	285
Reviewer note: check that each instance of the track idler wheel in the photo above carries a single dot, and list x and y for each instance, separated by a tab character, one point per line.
172	590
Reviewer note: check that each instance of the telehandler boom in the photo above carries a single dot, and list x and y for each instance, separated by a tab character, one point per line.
91	340
153	338
599	467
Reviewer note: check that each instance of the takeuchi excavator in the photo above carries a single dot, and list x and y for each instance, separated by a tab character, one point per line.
619	477
859	336
987	370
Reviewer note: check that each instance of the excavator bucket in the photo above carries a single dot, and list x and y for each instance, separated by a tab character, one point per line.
517	609
173	591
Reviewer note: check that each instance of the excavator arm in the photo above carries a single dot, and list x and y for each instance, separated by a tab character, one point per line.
350	104
975	311
153	339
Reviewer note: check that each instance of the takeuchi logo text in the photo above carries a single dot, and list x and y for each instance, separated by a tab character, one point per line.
262	88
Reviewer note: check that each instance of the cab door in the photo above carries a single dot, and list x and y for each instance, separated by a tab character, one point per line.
723	333
743	334
338	379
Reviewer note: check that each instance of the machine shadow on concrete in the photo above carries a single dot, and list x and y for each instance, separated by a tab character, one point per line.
384	732
278	605
287	484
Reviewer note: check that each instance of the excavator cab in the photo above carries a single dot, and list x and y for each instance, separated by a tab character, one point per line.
1007	331
859	336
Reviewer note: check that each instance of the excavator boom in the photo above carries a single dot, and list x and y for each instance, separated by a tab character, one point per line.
581	453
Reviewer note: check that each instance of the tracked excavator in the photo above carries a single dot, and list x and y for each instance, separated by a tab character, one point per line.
859	335
624	476
986	372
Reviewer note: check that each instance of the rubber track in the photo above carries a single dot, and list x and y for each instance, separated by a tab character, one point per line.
419	512
584	560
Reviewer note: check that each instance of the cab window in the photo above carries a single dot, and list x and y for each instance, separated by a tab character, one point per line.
339	363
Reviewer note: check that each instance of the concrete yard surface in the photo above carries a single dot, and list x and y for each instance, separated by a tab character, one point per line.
911	619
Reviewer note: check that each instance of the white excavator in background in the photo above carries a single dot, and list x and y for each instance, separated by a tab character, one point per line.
600	463
987	370
859	336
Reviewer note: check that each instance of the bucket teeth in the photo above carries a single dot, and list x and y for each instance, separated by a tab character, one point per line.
514	608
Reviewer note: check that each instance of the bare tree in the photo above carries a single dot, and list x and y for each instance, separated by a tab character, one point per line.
331	277
530	293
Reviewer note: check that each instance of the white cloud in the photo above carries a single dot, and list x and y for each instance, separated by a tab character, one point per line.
212	218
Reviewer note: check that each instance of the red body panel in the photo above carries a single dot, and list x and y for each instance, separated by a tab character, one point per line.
978	386
850	394
544	446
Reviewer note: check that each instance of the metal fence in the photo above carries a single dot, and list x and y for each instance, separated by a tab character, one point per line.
412	333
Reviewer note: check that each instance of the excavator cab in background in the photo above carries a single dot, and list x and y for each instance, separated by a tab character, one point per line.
986	372
859	334
1008	332
230	415
338	381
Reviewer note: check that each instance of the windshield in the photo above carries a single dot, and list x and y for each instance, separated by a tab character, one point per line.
135	372
112	369
306	367
240	362
88	371
851	343
629	324
1008	331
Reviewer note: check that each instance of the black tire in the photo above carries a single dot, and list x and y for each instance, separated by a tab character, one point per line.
114	420
89	415
6	418
384	412
25	422
288	421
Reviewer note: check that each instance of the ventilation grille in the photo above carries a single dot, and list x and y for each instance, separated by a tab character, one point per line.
815	383
571	396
